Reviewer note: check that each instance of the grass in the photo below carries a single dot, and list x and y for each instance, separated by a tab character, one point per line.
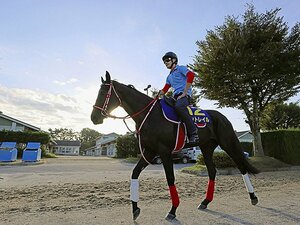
49	155
131	160
267	163
264	164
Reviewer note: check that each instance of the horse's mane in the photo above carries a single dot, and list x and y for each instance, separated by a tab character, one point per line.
131	87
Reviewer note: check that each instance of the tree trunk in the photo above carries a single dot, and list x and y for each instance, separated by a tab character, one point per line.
255	128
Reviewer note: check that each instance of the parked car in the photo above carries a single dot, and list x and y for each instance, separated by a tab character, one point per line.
185	155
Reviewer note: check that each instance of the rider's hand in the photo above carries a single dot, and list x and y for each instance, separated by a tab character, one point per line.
161	93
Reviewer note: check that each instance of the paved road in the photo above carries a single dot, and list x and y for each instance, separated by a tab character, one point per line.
74	169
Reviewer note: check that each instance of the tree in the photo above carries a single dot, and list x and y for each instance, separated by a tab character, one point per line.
88	138
63	134
127	145
281	116
250	64
194	98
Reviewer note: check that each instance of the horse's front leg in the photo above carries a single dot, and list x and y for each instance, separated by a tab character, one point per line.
169	171
134	186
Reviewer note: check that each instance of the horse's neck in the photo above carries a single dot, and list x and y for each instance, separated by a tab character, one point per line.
133	101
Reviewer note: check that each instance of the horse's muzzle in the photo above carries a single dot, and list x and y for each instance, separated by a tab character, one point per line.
96	119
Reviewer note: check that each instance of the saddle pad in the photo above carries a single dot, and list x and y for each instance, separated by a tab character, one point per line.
169	112
199	116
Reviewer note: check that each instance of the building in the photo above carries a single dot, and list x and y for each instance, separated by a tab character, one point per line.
105	146
243	136
66	147
12	124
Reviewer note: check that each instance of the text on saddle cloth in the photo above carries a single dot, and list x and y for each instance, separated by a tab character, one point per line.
199	116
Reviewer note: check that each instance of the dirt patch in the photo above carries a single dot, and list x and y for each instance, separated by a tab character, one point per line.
86	203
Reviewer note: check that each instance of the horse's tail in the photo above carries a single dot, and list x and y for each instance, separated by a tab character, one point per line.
249	168
229	142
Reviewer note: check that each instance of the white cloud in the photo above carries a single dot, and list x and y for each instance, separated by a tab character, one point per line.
47	110
69	81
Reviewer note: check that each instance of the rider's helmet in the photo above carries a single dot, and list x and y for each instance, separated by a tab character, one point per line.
171	55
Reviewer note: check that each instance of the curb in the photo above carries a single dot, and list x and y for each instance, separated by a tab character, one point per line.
21	163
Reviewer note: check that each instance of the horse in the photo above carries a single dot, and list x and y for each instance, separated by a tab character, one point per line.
156	136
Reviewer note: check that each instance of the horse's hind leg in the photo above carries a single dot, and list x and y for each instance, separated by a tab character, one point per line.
250	189
134	186
233	148
207	152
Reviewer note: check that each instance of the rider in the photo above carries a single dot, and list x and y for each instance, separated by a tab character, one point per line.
180	79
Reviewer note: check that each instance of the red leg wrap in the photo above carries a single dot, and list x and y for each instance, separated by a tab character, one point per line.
210	190
174	196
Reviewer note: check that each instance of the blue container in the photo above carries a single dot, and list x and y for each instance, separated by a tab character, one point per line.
32	152
8	152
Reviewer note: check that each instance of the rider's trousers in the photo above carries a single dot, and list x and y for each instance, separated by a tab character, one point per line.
182	111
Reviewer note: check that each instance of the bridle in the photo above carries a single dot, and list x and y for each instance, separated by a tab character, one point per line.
105	113
103	109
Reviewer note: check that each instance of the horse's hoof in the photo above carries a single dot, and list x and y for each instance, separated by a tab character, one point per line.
136	213
202	206
170	217
254	201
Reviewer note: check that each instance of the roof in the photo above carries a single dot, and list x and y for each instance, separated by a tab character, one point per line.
113	134
67	143
240	134
19	122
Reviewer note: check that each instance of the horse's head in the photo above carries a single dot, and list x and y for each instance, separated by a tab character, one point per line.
107	100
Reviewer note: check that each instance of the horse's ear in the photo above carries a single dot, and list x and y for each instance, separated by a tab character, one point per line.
102	80
107	75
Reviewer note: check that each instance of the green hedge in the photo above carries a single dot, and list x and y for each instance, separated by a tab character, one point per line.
221	160
247	147
24	136
283	145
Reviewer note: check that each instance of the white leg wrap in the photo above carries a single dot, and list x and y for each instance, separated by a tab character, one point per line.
248	183
134	190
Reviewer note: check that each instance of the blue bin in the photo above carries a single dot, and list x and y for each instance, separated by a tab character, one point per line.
8	152
32	152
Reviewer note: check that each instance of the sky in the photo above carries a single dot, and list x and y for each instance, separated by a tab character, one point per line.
54	52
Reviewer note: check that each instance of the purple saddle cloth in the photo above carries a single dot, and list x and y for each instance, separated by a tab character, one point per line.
200	117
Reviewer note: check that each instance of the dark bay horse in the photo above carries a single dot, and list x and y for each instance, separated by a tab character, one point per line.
156	136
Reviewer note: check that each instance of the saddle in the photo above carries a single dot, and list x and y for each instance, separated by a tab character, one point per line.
199	116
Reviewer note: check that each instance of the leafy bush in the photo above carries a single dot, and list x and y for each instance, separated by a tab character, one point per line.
127	146
283	145
221	160
24	136
247	147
